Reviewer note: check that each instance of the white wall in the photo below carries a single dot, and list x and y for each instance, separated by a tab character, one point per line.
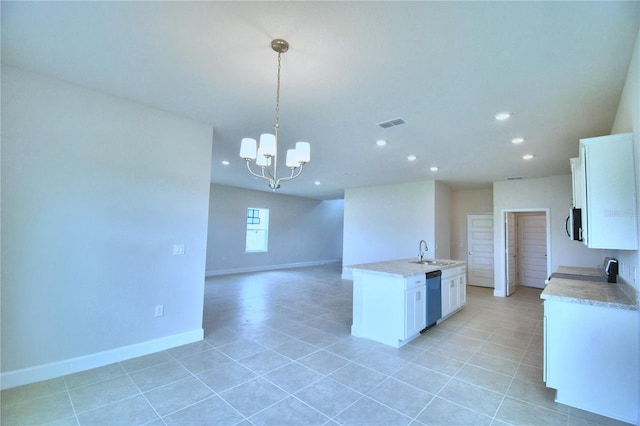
95	192
387	222
442	249
302	231
553	193
464	202
628	120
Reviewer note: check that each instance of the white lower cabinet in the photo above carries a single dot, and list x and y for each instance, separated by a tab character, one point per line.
388	309
454	290
591	358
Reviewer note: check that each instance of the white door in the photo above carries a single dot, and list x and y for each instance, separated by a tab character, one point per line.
480	249
511	254
532	244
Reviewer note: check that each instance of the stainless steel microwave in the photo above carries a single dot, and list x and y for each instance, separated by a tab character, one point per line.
573	224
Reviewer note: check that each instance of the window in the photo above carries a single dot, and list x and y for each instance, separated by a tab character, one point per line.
257	229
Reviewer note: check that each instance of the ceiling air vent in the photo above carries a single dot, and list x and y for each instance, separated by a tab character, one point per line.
391	123
515	178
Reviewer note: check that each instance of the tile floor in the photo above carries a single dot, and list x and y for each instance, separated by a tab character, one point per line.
278	351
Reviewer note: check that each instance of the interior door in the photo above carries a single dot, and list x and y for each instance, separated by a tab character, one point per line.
532	243
511	255
480	250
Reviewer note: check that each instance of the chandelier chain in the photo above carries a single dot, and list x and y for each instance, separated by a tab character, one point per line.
277	124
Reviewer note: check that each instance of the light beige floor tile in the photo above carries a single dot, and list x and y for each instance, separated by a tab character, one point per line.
517	412
146	361
328	396
42	410
494	363
366	411
264	362
177	395
204	361
422	378
94	375
212	411
433	361
472	396
292	377
529	373
536	394
190	349
21	394
441	412
289	412
400	396
323	362
102	393
159	375
357	377
130	411
253	396
226	376
485	378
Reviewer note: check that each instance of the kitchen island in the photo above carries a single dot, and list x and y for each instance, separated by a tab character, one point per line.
591	333
389	298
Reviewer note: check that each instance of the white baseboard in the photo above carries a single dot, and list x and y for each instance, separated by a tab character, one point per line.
270	267
39	373
347	274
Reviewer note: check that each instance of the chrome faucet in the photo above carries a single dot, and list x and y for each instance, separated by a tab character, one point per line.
420	252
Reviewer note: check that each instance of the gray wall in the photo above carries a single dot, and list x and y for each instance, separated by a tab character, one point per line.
387	222
552	193
302	231
464	202
96	190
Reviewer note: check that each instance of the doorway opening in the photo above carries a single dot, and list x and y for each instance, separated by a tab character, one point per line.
527	247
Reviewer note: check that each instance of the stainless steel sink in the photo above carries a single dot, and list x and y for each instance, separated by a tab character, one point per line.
431	262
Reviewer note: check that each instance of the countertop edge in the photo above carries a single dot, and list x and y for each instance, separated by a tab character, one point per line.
403	267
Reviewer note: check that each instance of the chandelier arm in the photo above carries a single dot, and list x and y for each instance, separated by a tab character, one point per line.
292	176
262	176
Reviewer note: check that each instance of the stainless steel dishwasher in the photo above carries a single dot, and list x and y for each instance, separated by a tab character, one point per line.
434	297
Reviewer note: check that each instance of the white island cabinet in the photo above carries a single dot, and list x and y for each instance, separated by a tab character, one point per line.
388	309
454	290
389	299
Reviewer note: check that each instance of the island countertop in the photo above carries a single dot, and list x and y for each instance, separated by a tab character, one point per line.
406	267
589	293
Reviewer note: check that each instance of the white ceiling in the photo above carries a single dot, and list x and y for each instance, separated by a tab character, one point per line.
445	67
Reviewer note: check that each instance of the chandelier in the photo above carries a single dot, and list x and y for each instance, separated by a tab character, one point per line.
266	153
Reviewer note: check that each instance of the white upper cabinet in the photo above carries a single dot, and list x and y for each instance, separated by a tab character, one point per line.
577	182
608	192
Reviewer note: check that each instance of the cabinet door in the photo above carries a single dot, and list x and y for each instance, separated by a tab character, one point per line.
609	212
415	310
444	288
454	300
462	289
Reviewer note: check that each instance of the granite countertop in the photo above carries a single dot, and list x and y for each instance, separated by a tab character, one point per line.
594	293
405	267
579	270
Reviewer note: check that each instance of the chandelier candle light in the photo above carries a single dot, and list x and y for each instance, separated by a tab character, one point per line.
266	154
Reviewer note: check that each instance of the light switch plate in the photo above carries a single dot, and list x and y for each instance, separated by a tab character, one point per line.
178	249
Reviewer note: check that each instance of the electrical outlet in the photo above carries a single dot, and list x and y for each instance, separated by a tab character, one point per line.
178	249
159	310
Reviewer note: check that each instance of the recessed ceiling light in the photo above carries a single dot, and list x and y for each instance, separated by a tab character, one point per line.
434	168
381	142
412	158
317	182
225	162
527	156
501	116
517	140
